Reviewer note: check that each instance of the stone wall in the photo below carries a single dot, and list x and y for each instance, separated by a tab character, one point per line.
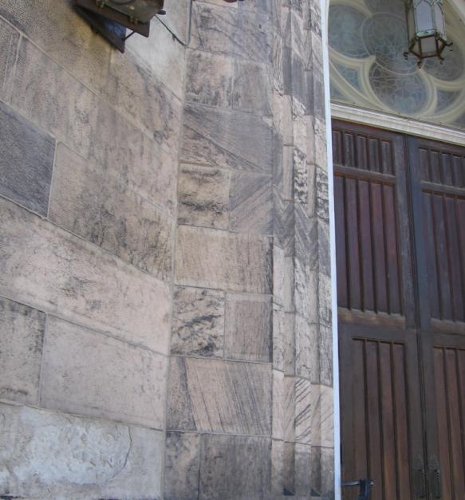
165	311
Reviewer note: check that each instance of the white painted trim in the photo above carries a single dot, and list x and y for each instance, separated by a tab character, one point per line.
398	123
324	4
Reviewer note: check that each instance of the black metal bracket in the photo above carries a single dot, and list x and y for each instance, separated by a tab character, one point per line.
365	486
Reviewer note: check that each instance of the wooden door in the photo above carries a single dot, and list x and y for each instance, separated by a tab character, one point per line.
400	318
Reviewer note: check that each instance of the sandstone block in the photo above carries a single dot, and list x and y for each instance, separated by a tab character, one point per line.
88	373
63	35
203	195
251	203
252	88
248	328
141	163
47	455
209	79
218	396
56	272
99	206
229	139
47	95
307	352
215	259
21	338
9	39
26	161
182	466
235	468
278	405
198	322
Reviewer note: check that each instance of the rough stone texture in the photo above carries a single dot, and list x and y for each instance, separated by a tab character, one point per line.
251	203
210	395
228	139
90	374
46	455
248	328
21	338
198	322
215	259
235	468
26	161
251	88
182	466
59	273
203	195
8	46
104	209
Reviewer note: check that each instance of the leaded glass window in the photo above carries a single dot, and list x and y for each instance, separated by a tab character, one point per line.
367	41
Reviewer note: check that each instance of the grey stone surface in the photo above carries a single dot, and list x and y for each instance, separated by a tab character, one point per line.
139	161
278	405
307	351
277	468
21	338
50	269
248	328
87	373
100	206
235	468
50	97
215	259
9	39
322	472
47	455
203	196
225	138
137	94
251	203
182	466
26	161
198	322
218	396
252	88
63	35
209	79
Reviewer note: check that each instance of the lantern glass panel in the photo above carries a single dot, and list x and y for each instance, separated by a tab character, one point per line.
424	22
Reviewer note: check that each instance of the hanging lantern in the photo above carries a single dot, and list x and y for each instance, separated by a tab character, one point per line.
426	28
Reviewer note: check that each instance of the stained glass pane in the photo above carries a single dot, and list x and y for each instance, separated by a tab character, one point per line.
368	40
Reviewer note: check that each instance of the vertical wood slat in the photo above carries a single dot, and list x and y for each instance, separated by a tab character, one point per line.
366	239
454	423
442	428
353	250
460	213
424	165
431	256
379	248
435	167
386	158
341	232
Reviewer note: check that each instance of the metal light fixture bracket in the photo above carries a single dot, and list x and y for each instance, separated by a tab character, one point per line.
111	18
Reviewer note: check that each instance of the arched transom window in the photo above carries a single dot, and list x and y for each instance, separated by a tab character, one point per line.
367	41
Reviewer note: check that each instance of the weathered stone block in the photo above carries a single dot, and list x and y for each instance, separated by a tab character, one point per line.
63	35
252	88
231	32
56	272
138	95
251	203
306	291
278	405
215	259
235	468
289	406
224	138
21	338
307	351
277	468
102	208
209	79
283	279
45	455
283	224
49	96
218	396
138	161
203	195
88	373
322	472
182	466
26	161
9	39
248	328
306	411
198	322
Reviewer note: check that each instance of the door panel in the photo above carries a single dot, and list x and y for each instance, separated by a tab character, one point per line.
400	236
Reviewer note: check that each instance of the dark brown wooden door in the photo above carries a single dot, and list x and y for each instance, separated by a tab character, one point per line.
400	226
